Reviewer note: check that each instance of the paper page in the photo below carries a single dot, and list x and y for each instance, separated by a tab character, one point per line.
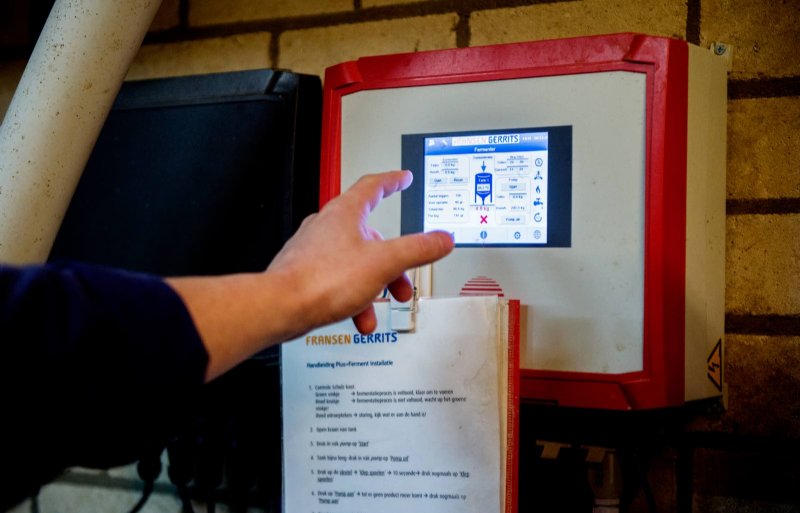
395	422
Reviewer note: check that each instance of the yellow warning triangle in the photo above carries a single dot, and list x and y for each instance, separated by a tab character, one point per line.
715	365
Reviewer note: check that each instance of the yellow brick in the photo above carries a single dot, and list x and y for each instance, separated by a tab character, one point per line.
248	51
10	73
211	12
587	17
763	376
311	51
764	148
763	264
168	15
765	34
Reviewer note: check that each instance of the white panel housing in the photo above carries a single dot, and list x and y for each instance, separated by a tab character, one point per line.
585	302
705	218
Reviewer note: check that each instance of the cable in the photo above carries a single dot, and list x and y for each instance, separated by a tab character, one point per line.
146	492
148	468
181	469
645	483
186	499
35	502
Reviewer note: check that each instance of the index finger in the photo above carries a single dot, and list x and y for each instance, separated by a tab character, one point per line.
369	190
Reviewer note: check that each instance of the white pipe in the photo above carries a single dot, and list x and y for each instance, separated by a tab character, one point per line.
58	109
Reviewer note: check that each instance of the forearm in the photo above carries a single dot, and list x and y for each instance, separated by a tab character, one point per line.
238	315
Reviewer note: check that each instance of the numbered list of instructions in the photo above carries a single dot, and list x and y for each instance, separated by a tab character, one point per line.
394	422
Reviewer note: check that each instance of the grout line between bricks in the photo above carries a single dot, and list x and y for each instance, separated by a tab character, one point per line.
275	49
769	325
764	88
765	206
183	14
381	13
693	20
463	31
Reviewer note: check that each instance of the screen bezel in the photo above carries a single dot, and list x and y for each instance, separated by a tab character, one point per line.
559	208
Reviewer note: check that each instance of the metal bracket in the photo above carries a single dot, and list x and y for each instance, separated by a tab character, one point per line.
403	316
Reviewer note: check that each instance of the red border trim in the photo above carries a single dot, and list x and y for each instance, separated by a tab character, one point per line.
512	448
665	62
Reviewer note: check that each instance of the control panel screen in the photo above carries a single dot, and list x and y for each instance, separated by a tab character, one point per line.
491	188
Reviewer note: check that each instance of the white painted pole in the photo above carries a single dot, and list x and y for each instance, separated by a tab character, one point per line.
58	110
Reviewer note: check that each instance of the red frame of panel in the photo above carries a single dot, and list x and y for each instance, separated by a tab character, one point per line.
664	61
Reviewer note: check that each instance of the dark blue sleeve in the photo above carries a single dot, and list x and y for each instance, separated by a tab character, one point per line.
96	366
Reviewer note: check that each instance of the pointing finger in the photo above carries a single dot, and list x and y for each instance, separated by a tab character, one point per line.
369	190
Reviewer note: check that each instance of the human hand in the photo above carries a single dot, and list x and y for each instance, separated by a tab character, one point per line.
333	268
335	265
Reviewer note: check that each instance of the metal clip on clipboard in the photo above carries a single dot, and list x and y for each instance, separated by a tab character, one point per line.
403	316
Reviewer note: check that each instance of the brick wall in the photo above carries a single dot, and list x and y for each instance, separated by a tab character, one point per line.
731	453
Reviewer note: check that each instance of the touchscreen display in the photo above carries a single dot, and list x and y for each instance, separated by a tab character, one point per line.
487	188
492	188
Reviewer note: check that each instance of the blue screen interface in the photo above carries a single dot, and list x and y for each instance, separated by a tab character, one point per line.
487	188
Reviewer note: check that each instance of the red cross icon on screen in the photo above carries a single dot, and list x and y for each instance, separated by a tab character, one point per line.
484	220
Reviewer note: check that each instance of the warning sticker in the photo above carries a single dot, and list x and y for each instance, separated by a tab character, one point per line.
481	286
715	365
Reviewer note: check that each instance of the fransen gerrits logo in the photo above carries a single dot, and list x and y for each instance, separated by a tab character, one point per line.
357	341
385	337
